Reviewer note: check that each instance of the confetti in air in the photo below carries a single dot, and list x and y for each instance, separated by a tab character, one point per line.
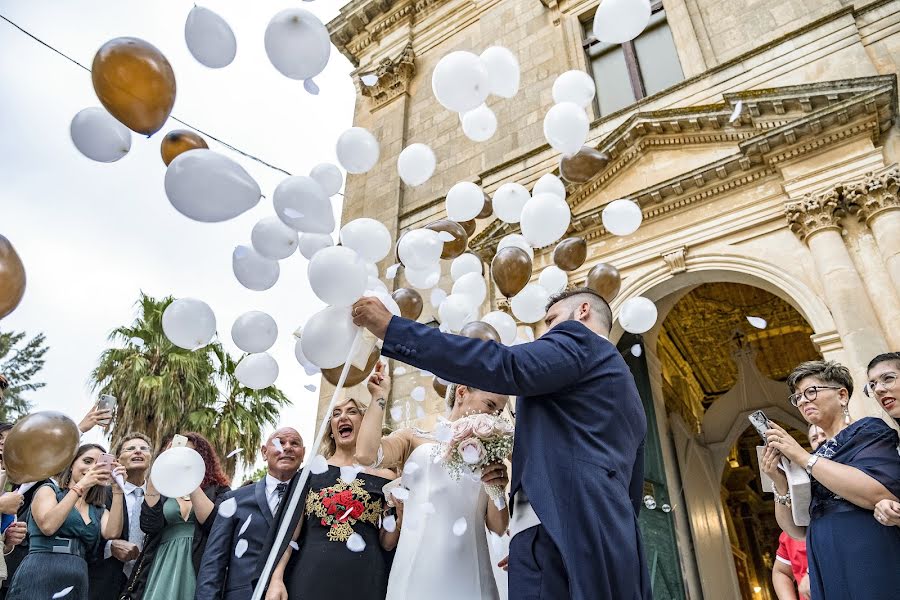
233	452
228	508
319	465
418	394
348	474
460	526
295	546
369	79
420	412
277	444
400	493
396	413
636	350
390	523
391	271
240	548
63	593
757	322
309	387
355	543
410	468
736	114
399	371
245	525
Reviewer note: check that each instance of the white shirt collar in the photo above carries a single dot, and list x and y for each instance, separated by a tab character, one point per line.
130	487
271	484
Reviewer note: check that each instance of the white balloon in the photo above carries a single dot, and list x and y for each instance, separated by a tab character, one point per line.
465	263
329	177
371	269
99	136
302	204
253	270
254	331
460	81
416	164
297	43
208	187
177	472
549	184
424	279
622	217
273	239
618	21
328	337
574	86
637	315
479	124
464	201
471	285
310	243
566	127
369	238
454	311
420	248
309	368
337	276
257	371
504	324
516	240
553	279
509	200
189	323
357	150
437	296
375	285
503	71
209	38
545	219
530	304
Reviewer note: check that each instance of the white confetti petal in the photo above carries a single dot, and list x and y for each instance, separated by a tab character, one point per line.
390	523
319	465
418	394
396	413
420	412
295	546
233	452
410	468
310	387
391	271
443	432
427	508
370	79
64	592
227	508
348	474
278	447
399	371
355	543
437	296
445	236
736	114
460	526
425	373
400	493
757	322
245	525
346	514
636	350
240	547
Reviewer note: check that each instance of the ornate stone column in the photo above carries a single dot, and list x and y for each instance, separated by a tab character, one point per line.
816	220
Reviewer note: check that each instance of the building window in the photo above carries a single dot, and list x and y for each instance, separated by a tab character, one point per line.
625	73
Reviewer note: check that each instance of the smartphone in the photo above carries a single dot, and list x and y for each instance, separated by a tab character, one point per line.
179	441
760	423
106	459
6	521
107	402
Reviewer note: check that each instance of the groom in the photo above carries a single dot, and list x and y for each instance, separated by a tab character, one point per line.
577	476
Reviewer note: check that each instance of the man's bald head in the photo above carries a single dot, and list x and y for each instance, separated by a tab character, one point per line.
283	453
583	305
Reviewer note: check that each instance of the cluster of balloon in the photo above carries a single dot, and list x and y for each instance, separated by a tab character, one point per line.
177	141
462	82
12	277
39	446
355	376
605	280
566	124
298	45
582	166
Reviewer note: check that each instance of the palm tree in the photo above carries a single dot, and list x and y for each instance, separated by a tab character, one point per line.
19	365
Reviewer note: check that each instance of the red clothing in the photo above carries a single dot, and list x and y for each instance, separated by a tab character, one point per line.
792	552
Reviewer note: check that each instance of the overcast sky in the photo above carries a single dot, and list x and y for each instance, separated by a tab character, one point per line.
92	235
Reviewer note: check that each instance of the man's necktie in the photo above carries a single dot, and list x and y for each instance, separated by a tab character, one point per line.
280	489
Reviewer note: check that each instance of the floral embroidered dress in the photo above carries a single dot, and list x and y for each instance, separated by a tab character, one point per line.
325	567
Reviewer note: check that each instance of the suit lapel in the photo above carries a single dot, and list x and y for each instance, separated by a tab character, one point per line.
261	500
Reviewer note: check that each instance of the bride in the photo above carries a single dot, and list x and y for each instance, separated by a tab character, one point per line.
443	552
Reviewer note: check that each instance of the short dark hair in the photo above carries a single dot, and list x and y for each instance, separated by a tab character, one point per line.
886	357
133	435
596	301
829	371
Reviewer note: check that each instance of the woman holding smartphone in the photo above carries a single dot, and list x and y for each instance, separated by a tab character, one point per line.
65	523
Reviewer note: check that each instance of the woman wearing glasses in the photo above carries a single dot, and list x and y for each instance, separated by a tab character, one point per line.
857	467
882	374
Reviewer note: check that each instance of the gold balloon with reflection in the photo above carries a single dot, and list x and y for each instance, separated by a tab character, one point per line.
605	280
511	270
12	278
354	376
39	446
480	330
410	303
457	245
570	253
178	141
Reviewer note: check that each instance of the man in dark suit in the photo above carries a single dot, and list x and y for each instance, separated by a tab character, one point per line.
577	474
223	574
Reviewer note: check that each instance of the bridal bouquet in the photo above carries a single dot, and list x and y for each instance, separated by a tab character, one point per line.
473	442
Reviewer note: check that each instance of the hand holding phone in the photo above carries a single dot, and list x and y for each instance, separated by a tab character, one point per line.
179	441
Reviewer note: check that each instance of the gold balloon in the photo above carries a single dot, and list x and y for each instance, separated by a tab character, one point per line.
570	253
583	165
480	330
135	83
40	445
410	303
178	141
605	280
487	210
12	278
469	226
439	387
511	270
354	376
453	248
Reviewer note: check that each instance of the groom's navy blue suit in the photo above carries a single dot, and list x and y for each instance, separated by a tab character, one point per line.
578	453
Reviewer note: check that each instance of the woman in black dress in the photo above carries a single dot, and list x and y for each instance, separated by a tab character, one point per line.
340	530
857	467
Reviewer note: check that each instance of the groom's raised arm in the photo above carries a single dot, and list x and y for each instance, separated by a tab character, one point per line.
550	363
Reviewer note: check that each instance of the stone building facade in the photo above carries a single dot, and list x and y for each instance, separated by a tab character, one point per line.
788	211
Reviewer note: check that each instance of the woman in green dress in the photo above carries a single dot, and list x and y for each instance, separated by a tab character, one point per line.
177	529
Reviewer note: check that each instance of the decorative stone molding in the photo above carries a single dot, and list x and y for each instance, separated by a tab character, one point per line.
815	212
878	192
827	342
675	260
394	75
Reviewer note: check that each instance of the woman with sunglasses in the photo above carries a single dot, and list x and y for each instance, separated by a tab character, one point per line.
882	374
856	467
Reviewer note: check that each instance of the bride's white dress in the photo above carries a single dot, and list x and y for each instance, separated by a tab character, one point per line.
432	562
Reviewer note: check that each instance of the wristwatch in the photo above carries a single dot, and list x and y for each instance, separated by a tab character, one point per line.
809	464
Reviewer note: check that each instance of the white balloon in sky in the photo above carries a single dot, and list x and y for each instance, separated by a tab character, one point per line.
637	315
550	184
369	238
465	263
566	127
545	220
504	324
622	217
309	368
530	305
206	186
509	200
454	311
254	331
503	71
516	240
302	204
471	285
479	124
424	279
464	201
189	323
574	86
257	371
273	239
460	81
297	43
357	150
328	337
177	472
99	136
310	243
337	276
553	279
209	38
619	21
253	270
420	248
328	176
416	164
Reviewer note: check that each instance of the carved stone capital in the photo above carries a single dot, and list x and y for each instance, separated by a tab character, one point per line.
815	212
675	260
394	75
877	193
